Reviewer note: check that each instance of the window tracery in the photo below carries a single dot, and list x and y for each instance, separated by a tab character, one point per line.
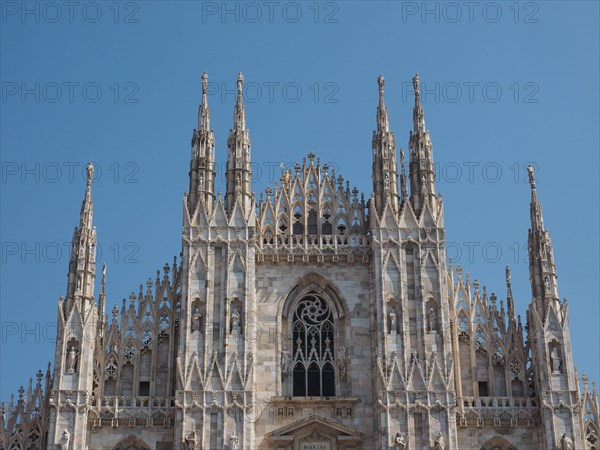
313	344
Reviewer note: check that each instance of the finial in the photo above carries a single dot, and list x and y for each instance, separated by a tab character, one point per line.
115	312
531	176
415	81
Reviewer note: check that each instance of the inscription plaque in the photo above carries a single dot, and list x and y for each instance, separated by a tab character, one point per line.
315	446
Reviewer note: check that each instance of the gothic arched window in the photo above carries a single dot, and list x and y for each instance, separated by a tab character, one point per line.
313	335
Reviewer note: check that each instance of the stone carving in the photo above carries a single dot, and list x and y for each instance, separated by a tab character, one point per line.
234	442
342	362
556	361
432	320
71	360
285	364
191	441
439	443
400	440
392	322
63	444
565	442
235	320
196	319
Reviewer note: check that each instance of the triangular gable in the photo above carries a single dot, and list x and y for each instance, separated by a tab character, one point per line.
426	219
407	217
314	421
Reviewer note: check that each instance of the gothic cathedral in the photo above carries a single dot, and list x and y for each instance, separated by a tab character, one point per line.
309	318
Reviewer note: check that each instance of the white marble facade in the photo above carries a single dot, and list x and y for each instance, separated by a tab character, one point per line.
309	318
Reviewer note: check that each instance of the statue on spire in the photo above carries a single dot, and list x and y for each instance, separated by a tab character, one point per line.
531	173
381	83
415	81
240	84
204	85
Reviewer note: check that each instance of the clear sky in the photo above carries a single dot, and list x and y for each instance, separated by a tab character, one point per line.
504	84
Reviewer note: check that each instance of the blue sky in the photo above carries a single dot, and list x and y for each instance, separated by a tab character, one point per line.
505	84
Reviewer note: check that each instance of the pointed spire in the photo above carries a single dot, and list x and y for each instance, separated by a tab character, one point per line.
537	221
403	185
418	111
87	206
385	167
202	164
421	168
204	110
382	113
542	270
239	115
102	302
239	172
509	297
82	266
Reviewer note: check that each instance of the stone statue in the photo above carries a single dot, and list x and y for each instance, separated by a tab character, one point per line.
392	322
71	360
565	442
400	440
201	180
432	320
285	364
191	441
64	440
414	358
387	181
342	363
234	442
507	274
439	443
555	360
196	319
235	319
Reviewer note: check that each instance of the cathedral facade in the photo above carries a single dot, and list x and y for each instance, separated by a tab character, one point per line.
309	318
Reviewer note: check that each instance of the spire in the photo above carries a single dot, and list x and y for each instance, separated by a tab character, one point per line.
382	113
204	110
403	186
239	115
239	172
385	169
509	297
102	301
87	206
82	266
542	270
202	164
422	176
537	221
